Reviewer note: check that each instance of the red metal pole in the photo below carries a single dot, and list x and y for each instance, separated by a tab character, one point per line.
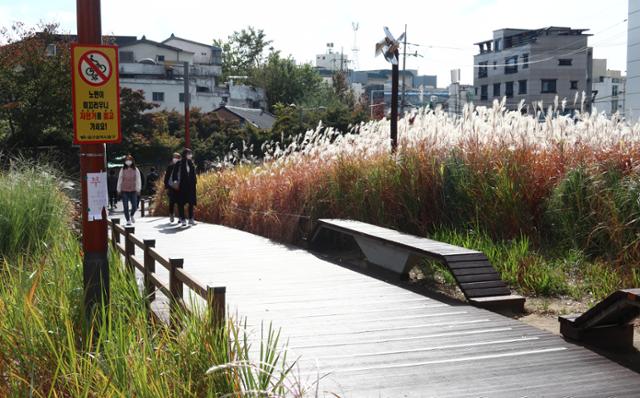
92	160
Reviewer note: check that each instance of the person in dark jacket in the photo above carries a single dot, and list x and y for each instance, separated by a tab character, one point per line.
152	177
185	172
171	192
112	185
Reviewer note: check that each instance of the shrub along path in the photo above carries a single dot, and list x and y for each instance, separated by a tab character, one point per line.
360	336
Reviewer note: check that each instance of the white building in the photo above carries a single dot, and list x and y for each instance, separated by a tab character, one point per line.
157	68
332	61
608	88
632	91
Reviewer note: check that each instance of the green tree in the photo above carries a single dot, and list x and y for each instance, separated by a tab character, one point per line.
35	88
243	51
284	81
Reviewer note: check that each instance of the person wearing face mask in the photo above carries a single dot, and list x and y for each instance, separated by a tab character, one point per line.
171	185
185	172
129	187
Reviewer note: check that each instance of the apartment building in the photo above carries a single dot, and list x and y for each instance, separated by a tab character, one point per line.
608	88
533	65
158	69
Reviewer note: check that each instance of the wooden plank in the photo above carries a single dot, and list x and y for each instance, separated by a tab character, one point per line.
137	263
495	291
477	277
159	258
475	271
468	264
481	285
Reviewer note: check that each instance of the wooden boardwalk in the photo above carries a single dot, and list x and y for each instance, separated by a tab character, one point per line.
367	338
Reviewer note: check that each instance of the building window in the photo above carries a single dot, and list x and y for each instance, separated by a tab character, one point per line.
181	97
614	91
508	89
475	91
482	70
158	96
525	61
496	89
50	51
205	54
159	58
511	65
548	86
497	45
522	86
484	92
202	89
126	56
495	65
565	62
614	106
574	84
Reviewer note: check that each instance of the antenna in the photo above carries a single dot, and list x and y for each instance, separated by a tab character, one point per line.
355	49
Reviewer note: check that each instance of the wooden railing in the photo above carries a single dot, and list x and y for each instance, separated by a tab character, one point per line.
178	277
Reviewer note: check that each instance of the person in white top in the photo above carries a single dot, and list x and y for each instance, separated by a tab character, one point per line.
129	187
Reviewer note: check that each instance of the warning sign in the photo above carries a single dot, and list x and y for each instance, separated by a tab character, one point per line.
96	96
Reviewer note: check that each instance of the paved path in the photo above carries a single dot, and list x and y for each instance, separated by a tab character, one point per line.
368	338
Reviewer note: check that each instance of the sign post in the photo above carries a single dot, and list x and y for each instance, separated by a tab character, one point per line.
96	120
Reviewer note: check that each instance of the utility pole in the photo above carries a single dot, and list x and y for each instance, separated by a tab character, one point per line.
394	104
187	135
404	64
95	262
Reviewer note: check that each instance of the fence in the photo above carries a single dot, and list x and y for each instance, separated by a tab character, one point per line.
178	277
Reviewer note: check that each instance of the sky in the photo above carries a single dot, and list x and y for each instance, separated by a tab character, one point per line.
444	30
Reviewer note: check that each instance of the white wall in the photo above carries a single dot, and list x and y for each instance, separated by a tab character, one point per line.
147	50
172	89
632	100
331	61
202	54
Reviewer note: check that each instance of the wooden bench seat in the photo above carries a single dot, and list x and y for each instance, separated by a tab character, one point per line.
396	251
608	323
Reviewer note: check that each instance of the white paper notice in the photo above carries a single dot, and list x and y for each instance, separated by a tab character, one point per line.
96	195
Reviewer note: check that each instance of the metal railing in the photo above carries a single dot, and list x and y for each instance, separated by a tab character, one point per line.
178	277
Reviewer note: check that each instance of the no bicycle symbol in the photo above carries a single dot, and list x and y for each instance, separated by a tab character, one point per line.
95	68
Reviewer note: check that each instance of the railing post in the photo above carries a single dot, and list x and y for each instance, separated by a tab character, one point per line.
216	300
115	235
129	247
175	287
149	268
141	207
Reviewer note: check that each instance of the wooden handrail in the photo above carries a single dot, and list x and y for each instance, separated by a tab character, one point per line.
178	277
188	280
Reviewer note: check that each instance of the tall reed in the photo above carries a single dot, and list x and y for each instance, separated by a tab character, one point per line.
45	352
508	174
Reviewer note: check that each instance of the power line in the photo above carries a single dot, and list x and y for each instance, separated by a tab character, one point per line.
533	61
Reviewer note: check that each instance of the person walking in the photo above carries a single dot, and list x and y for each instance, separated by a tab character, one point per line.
171	186
129	187
185	173
112	188
152	177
